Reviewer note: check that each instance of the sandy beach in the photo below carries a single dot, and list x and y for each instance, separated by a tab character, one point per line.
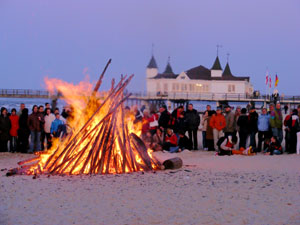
208	189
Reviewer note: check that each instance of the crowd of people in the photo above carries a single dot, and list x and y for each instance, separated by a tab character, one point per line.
28	132
223	130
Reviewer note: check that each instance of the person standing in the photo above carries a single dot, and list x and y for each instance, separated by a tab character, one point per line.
23	132
5	126
42	122
49	118
22	106
229	130
175	118
253	117
204	129
218	123
286	108
164	118
14	120
293	128
56	126
243	123
276	122
192	122
34	124
153	122
263	126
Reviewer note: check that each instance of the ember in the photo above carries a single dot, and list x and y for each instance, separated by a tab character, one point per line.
104	139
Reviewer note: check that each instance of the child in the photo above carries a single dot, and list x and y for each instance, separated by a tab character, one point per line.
158	140
170	140
184	142
147	138
274	147
56	125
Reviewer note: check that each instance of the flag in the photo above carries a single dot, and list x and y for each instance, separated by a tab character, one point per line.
267	78
270	82
276	80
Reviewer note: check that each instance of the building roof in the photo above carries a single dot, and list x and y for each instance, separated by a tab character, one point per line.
217	64
168	69
152	63
227	70
166	76
202	73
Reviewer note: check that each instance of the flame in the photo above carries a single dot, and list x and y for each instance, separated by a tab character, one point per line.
103	137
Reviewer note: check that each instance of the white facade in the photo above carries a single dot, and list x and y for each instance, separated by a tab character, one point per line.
183	85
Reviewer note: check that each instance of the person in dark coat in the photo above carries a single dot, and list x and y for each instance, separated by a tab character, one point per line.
34	123
184	141
192	119
23	132
42	122
253	118
177	118
164	118
5	126
243	123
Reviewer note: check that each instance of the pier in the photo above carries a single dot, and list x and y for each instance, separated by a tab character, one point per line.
179	97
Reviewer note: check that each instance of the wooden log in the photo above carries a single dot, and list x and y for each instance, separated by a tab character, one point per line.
173	163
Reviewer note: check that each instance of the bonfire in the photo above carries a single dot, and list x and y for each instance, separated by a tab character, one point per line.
103	138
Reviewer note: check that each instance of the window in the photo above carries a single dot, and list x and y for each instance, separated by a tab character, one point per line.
182	77
157	87
192	87
165	87
231	88
173	87
183	87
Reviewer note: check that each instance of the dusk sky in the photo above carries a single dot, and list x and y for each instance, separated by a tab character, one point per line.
71	39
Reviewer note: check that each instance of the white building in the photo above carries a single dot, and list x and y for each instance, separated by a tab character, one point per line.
195	81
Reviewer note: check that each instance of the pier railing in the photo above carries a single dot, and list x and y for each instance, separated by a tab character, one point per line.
24	93
173	96
212	97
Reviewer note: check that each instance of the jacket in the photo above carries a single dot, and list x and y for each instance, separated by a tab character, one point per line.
5	126
192	119
218	122
164	118
230	122
263	122
276	119
253	117
14	120
243	123
48	120
185	143
55	125
204	123
172	139
209	129
33	122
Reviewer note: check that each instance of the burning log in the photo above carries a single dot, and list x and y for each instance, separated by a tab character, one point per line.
107	141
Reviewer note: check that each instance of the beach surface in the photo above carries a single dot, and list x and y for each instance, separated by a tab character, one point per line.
208	189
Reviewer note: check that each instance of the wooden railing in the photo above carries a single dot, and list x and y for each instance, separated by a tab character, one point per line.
24	93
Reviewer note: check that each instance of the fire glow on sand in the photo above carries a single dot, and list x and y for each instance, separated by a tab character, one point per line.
103	139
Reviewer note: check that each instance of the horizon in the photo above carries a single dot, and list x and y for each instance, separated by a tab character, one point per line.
70	40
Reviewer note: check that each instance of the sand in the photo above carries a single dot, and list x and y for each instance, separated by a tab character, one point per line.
207	190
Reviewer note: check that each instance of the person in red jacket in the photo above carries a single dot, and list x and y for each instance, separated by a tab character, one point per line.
217	123
170	140
14	121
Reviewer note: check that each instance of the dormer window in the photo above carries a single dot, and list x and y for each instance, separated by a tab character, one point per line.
183	77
